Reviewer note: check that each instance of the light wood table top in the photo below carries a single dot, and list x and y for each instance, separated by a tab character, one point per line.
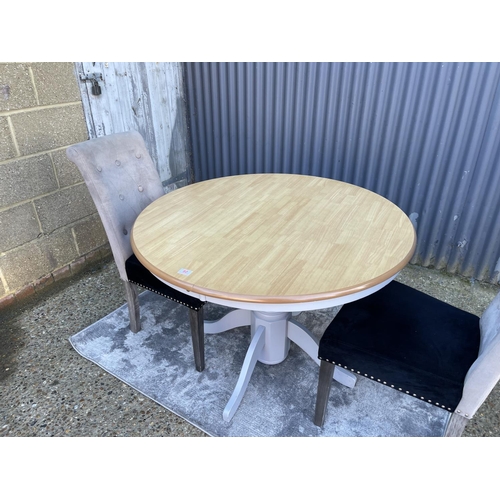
273	238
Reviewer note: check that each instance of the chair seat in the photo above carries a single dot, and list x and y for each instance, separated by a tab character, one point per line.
141	276
407	340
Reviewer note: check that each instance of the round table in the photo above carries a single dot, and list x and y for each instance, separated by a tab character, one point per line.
269	245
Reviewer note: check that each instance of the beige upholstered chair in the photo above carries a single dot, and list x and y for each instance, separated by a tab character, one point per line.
122	181
417	344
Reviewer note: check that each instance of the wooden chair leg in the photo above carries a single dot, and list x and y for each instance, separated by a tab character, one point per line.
324	385
456	425
198	338
132	296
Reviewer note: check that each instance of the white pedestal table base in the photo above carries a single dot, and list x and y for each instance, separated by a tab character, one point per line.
271	333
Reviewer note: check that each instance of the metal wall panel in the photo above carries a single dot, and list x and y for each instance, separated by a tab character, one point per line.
424	135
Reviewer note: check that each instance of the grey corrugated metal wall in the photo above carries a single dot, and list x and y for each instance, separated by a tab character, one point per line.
424	135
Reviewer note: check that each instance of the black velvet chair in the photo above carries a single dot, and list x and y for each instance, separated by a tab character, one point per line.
417	344
123	181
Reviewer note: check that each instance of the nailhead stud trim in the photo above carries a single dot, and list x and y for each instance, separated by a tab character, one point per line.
166	296
399	388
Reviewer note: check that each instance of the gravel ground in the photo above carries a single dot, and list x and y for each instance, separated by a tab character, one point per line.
47	389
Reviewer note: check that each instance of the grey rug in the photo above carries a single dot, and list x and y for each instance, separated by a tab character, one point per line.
279	401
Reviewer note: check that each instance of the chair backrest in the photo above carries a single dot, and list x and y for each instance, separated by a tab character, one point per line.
485	371
122	180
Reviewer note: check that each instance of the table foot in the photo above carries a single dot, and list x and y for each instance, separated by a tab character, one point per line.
301	336
271	335
252	355
344	377
233	319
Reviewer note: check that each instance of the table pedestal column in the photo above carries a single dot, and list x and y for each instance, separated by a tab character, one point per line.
276	342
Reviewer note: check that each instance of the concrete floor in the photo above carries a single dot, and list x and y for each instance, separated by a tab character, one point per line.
47	389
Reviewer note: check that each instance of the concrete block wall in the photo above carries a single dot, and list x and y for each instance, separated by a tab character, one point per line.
49	226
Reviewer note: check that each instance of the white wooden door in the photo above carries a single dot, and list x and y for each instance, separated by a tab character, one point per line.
147	97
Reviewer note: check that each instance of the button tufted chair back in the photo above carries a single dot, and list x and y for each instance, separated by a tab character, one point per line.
122	181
